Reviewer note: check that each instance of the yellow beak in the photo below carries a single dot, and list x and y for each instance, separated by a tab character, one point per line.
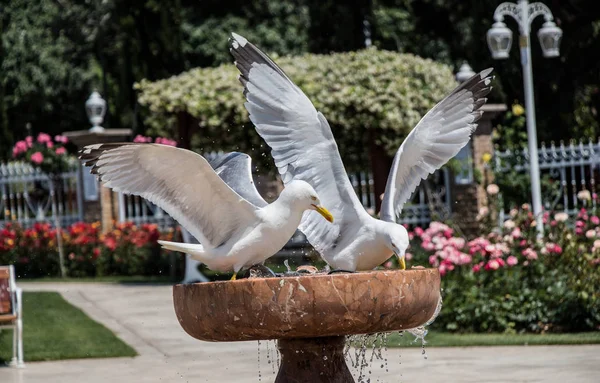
324	212
400	260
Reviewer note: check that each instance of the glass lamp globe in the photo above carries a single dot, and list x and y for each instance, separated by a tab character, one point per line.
95	107
549	36
499	39
464	73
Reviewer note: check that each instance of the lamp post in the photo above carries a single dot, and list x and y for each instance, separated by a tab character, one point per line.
95	107
499	39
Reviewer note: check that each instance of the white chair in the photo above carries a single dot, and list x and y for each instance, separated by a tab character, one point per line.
11	315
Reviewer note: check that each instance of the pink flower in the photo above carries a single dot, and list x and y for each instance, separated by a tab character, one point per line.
590	234
595	220
49	144
530	254
433	261
476	268
20	147
492	189
140	138
418	231
512	260
578	231
553	222
445	266
516	233
61	139
29	141
579	224
388	265
60	151
43	138
523	243
37	158
408	256
492	265
165	141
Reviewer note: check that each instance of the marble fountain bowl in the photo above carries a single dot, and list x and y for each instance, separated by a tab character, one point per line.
309	315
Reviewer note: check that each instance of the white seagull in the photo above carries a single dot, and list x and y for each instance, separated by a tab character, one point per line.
233	232
304	148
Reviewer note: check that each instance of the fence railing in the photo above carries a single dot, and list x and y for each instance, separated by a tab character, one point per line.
574	166
26	195
26	198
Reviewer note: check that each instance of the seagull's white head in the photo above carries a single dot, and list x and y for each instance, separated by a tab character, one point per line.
303	196
396	238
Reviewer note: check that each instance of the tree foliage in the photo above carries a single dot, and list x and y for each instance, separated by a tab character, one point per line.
54	52
44	65
367	90
567	95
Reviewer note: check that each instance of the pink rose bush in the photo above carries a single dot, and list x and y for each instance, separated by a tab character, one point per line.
48	154
506	279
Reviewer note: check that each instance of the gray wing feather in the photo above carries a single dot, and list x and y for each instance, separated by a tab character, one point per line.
438	137
179	181
302	145
236	170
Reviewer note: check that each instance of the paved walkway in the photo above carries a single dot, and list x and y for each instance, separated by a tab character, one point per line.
143	316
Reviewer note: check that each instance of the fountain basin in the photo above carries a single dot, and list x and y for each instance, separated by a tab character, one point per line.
308	306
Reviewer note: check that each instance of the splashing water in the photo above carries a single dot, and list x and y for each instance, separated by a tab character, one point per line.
421	332
361	362
287	265
259	376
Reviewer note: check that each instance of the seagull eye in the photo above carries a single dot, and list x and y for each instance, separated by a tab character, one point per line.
313	197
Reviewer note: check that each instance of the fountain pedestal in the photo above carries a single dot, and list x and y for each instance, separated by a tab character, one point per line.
309	315
303	359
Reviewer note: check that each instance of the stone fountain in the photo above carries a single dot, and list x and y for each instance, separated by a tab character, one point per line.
309	316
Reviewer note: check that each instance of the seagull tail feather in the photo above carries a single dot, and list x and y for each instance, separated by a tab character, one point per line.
195	250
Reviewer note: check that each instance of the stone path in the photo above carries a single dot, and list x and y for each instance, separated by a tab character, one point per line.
143	317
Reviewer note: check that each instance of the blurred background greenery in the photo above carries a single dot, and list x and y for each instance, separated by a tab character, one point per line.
53	53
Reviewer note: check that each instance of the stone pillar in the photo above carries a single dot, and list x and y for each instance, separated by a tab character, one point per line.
109	208
467	199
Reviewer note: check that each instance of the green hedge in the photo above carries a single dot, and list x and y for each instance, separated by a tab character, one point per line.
370	89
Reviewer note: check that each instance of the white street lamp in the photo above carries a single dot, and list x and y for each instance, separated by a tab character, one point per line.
95	107
499	39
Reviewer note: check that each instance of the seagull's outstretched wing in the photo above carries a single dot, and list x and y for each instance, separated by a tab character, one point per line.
236	170
302	144
438	137
179	181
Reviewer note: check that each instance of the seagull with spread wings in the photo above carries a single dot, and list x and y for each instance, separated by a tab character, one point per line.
304	148
233	232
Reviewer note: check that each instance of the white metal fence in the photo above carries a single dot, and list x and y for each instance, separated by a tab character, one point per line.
26	198
26	195
573	166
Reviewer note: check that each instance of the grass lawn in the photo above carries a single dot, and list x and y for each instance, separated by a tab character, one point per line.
441	339
54	329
